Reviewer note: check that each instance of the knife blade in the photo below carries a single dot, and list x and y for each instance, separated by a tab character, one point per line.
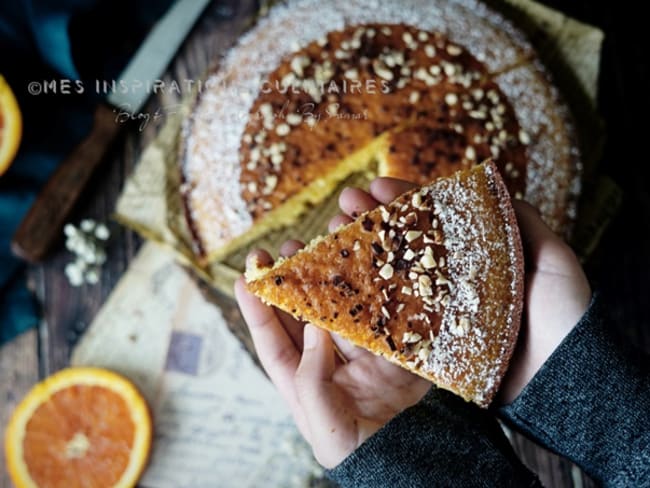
43	223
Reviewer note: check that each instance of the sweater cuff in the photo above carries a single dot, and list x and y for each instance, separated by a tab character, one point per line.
590	403
441	441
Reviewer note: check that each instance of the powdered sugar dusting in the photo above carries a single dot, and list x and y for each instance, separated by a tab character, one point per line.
554	169
471	250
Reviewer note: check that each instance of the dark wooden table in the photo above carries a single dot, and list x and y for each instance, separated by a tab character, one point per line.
620	267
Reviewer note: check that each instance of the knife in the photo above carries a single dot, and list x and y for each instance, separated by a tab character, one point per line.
42	225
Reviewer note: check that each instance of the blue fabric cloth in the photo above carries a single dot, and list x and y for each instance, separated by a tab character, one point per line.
34	44
44	40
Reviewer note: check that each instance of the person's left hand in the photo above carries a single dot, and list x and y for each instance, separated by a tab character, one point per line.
336	404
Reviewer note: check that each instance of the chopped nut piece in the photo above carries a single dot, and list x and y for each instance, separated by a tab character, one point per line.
411	235
386	271
385	214
424	285
384	312
411	337
282	130
270	182
451	99
298	63
294	119
524	138
408	255
428	262
352	73
453	50
441	279
382	70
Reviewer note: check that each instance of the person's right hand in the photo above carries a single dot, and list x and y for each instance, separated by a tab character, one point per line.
557	294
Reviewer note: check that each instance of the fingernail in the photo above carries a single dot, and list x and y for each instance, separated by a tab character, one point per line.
310	337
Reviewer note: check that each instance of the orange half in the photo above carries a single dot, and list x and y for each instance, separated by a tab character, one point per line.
81	427
11	126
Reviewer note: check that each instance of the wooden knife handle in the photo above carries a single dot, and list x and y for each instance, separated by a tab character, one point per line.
41	227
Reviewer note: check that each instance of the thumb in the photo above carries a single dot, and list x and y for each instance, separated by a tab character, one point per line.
330	435
544	249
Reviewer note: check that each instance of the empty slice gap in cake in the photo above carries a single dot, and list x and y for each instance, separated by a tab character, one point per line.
432	281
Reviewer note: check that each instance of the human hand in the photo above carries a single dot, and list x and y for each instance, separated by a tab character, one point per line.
557	294
336	404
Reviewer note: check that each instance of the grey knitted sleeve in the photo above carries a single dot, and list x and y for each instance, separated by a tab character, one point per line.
590	402
442	441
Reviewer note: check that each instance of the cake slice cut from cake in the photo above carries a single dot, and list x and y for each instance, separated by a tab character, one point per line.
432	281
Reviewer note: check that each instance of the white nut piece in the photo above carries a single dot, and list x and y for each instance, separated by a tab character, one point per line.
102	232
386	271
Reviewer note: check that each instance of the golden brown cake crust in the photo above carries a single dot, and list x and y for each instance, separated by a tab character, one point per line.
432	281
243	158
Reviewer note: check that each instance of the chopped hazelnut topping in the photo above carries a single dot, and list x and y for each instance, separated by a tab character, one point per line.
352	73
294	119
298	63
382	70
270	182
282	130
424	285
453	50
411	235
451	99
406	290
385	214
441	279
408	255
411	337
427	261
430	51
524	138
384	312
386	271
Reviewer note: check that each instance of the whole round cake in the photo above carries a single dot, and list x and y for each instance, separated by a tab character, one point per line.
317	91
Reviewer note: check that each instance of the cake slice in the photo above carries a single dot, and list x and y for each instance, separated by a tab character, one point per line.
432	282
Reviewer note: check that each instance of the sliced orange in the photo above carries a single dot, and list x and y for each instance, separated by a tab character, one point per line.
81	427
11	126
